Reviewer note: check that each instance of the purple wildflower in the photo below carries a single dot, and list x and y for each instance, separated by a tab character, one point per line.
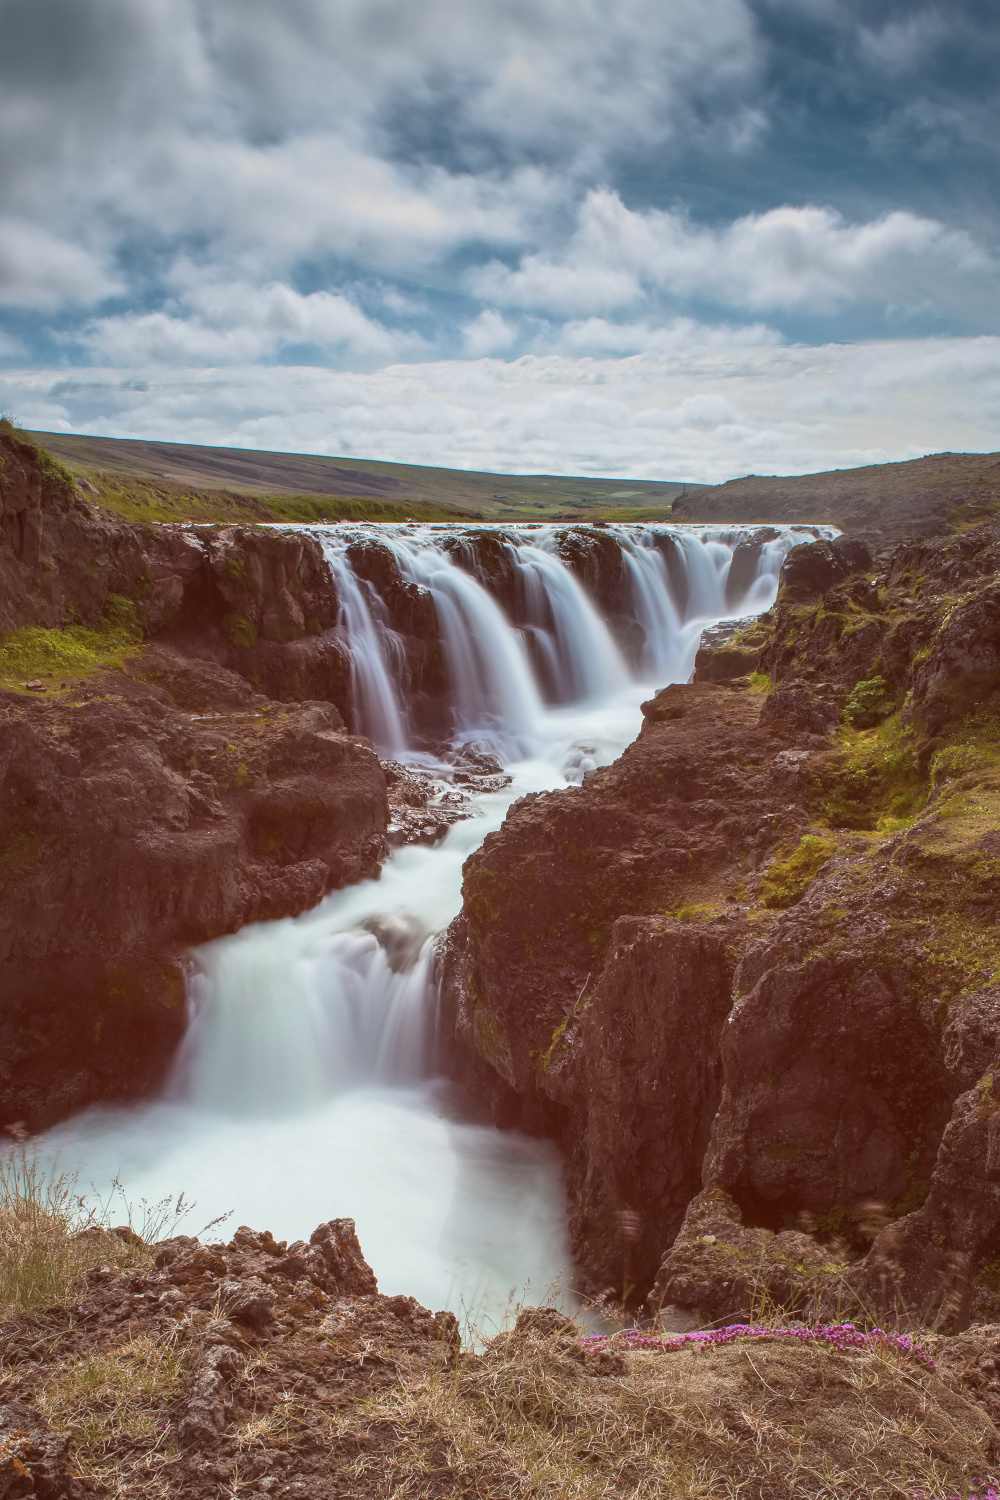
842	1336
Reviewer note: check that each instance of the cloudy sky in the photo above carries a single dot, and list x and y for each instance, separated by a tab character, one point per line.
659	238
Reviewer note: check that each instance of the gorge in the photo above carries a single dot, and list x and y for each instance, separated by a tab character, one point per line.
566	913
600	912
307	1074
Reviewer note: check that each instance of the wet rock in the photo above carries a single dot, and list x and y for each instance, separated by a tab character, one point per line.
809	570
491	559
596	560
423	805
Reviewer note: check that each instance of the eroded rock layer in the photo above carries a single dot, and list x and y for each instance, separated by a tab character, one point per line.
758	956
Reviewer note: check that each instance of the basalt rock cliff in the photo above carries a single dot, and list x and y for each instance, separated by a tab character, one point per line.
749	974
197	776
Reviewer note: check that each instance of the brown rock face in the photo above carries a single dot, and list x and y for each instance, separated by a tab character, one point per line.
703	924
142	813
133	828
638	1071
606	1032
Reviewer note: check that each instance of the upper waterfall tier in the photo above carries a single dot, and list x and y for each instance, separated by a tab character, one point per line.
460	633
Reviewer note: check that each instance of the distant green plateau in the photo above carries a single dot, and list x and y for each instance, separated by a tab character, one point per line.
146	481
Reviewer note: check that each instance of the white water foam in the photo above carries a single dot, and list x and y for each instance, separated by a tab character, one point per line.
304	1089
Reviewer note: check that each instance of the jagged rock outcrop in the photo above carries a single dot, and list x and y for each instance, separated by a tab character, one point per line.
184	1369
837	839
209	1340
556	1015
133	828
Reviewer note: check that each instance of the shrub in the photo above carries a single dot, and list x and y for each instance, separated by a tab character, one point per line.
868	703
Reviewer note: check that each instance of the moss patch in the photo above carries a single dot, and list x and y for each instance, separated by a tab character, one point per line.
785	882
36	653
875	781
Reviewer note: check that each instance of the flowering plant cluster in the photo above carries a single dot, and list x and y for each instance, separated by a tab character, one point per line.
841	1336
992	1492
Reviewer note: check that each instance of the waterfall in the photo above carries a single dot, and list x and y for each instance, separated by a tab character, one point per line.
551	642
304	1087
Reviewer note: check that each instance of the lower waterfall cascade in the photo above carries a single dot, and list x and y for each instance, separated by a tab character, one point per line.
305	1087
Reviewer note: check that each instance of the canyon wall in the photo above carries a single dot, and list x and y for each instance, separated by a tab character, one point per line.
200	776
749	975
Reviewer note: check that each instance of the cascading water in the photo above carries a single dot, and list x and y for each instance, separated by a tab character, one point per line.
304	1088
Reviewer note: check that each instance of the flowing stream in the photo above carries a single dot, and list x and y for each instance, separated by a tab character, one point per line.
305	1087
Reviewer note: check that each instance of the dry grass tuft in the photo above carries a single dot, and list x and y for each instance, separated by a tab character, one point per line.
50	1239
50	1236
755	1420
114	1397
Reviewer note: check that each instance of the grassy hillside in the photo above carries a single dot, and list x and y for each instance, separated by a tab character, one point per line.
178	481
943	492
147	481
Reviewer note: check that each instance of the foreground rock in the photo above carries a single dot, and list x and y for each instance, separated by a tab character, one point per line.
749	974
259	1368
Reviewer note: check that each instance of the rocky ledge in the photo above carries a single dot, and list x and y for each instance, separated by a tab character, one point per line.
273	1371
749	974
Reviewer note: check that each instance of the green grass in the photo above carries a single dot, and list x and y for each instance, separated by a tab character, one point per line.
50	465
38	653
876	781
786	881
635	513
136	499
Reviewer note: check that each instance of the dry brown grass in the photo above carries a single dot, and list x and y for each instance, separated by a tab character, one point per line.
50	1238
755	1420
111	1403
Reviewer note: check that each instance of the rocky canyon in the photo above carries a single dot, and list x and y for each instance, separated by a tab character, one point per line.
742	979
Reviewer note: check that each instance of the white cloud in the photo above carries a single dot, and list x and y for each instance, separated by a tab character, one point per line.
697	413
904	43
490	333
600	336
789	257
40	271
234	322
276	133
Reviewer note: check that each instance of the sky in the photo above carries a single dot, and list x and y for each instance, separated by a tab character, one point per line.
663	239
